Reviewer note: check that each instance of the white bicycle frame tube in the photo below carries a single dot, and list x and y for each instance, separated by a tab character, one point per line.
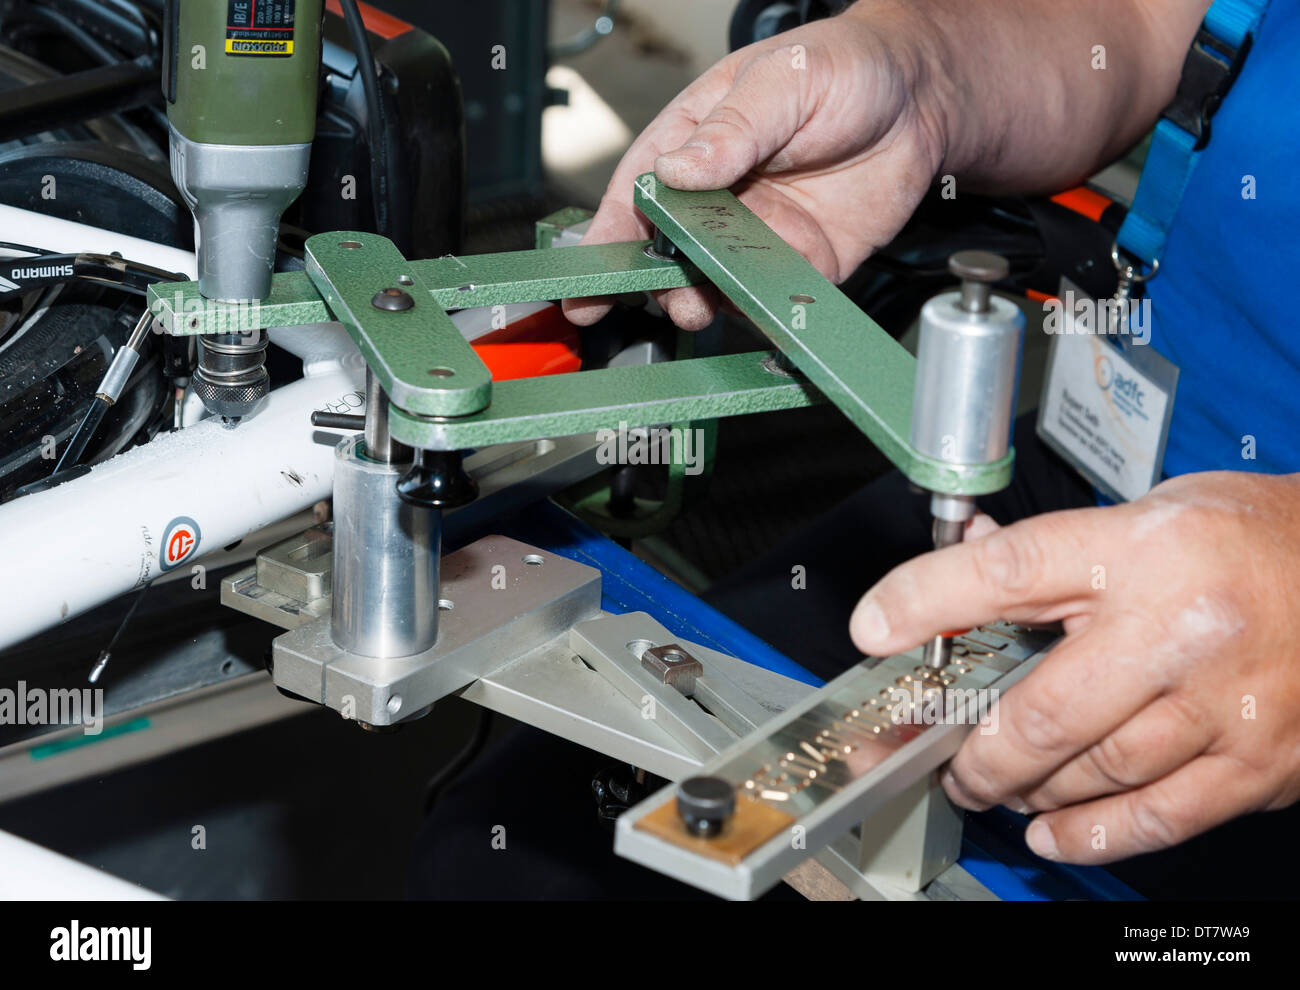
93	538
67	550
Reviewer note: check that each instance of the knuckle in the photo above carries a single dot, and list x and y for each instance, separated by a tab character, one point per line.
1010	563
1153	826
1048	797
1115	762
1036	718
731	117
739	132
1039	728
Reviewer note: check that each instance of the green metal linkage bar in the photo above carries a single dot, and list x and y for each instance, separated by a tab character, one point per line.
454	282
855	364
418	354
632	395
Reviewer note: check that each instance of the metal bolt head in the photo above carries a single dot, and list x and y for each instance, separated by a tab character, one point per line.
979	266
394	300
977	271
705	804
674	666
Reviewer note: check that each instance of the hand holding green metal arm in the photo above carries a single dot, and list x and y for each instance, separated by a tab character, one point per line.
833	132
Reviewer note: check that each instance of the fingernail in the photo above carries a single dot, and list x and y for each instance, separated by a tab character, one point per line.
690	152
873	627
1017	805
1040	839
958	796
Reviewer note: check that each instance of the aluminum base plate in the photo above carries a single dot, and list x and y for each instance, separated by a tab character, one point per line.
500	599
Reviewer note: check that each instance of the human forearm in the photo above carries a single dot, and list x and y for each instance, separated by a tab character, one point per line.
1017	90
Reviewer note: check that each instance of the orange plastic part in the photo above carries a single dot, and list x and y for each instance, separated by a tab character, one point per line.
1084	201
376	21
542	343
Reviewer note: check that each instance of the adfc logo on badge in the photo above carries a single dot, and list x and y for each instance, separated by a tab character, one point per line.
180	542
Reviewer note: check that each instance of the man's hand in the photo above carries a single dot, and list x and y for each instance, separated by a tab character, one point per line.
819	129
1173	702
833	132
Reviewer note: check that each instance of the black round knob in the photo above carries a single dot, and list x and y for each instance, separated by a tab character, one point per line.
705	804
437	480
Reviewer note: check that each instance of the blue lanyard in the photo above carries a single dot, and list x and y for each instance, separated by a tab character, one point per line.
1211	67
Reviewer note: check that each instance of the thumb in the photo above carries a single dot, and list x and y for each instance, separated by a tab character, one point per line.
758	116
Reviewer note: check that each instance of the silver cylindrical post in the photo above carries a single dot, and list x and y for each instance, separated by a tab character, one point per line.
967	369
379	443
967	366
385	581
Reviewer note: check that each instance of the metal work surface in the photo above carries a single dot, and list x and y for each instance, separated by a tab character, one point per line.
499	599
705	720
579	689
453	282
830	762
597	691
861	369
604	398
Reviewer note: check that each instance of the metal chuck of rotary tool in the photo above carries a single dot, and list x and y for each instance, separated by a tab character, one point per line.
967	369
240	82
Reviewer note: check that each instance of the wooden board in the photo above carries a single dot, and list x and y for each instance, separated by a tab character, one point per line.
753	824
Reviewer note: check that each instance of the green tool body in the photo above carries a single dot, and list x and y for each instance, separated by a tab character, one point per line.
243	73
240	78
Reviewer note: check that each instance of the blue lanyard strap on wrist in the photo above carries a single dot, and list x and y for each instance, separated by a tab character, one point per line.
1212	65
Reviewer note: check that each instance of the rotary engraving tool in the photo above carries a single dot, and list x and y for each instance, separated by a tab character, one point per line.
240	79
967	369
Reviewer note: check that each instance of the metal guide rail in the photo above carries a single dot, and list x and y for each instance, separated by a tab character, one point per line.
808	776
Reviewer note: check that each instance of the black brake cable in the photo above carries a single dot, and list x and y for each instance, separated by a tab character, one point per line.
106	653
376	126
